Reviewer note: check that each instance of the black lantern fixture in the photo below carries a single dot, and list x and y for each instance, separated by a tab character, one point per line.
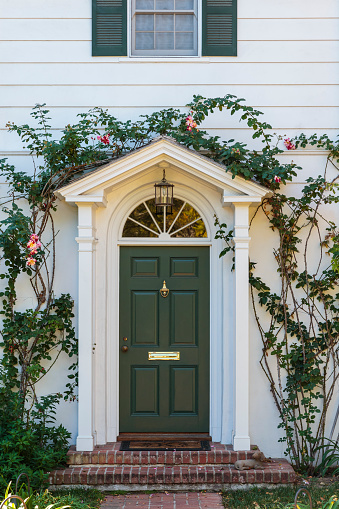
164	195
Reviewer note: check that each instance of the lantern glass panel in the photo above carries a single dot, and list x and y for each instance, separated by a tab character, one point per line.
163	196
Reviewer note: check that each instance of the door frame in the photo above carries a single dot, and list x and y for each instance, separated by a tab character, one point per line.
220	421
195	355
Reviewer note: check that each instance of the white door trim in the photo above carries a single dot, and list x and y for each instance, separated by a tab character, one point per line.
113	250
99	245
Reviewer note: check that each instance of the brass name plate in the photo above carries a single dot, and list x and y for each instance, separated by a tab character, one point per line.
164	356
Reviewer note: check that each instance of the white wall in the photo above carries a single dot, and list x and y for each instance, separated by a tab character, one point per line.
287	66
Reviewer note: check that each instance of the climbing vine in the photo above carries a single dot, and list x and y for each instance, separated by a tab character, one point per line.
300	335
300	329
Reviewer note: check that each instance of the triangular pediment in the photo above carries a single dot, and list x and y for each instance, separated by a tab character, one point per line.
162	151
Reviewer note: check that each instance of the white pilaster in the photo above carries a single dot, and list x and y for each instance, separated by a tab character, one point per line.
241	439
86	241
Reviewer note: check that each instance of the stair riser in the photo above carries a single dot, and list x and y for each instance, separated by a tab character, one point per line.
128	488
281	473
158	465
157	458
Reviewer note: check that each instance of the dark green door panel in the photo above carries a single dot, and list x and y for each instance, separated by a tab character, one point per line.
145	390
184	317
184	401
164	395
144	317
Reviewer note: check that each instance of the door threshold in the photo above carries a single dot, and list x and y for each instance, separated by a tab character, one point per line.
153	437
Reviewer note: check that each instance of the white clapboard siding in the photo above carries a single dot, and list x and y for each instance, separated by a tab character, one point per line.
11	144
246	9
165	73
248	51
321	118
21	162
312	117
287	66
312	164
248	29
287	9
157	97
287	29
45	29
13	147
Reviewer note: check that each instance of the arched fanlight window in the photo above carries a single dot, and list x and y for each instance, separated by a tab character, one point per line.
184	222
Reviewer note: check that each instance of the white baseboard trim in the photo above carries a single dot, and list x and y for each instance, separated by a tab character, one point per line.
85	443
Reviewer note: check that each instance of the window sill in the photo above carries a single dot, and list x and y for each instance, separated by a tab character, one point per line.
178	59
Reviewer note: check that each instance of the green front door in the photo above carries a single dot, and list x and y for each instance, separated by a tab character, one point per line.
164	395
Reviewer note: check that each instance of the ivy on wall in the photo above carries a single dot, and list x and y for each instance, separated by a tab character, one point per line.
300	328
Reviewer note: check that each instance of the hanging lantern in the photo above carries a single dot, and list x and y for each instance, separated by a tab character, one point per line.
164	195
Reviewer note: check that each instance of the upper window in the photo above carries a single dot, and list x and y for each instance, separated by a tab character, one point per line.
183	222
164	28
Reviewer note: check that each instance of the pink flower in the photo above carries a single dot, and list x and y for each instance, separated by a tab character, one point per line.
190	123
235	151
277	179
33	244
35	238
104	139
33	247
288	144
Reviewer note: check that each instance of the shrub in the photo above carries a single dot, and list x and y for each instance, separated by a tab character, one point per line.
29	443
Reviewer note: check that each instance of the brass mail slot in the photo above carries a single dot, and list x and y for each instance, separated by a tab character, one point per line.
164	356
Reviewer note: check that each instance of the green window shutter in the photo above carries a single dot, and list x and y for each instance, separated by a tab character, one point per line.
109	27
219	28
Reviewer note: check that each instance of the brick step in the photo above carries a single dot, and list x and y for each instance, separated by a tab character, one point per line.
108	456
278	471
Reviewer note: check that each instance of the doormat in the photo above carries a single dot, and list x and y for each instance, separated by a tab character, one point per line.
165	445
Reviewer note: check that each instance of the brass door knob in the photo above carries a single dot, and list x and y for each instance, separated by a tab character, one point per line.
124	349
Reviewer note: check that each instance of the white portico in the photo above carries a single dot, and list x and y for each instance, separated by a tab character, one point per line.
105	198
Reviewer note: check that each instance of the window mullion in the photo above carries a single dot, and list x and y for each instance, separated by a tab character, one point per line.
186	226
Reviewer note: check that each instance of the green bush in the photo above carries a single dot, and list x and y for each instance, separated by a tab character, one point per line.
30	444
25	499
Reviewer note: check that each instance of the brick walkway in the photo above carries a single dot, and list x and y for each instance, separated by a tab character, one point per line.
163	501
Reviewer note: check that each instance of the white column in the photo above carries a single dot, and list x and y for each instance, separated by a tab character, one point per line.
241	439
86	241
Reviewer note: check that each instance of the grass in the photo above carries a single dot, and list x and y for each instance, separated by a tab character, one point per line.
279	497
77	498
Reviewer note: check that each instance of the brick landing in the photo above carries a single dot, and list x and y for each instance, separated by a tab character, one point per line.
110	469
164	501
